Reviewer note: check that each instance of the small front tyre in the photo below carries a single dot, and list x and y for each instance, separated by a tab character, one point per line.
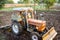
34	36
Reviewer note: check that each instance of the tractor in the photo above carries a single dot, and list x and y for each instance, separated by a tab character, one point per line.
25	20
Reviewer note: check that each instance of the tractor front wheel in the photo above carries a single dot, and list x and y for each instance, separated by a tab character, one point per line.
34	36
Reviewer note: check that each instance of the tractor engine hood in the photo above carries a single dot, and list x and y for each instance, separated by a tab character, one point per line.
40	25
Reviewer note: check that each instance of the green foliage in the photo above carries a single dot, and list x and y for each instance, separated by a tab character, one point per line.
2	2
30	1
9	2
20	2
37	1
49	3
58	1
23	1
26	1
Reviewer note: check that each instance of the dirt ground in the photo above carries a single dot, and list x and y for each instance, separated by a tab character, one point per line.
52	18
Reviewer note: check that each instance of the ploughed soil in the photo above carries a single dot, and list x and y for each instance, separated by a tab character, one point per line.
52	18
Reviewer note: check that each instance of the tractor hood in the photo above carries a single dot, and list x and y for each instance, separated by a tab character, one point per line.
40	25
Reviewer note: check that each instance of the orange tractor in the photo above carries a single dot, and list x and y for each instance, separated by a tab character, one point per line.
25	20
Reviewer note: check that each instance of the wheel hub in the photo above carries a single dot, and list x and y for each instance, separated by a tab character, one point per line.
15	28
34	37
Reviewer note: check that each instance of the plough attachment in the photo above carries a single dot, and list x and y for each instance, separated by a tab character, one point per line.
50	34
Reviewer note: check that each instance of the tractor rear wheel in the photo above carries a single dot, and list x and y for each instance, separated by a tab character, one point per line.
16	28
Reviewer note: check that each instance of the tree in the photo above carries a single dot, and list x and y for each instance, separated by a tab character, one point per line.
26	1
49	3
2	2
9	2
20	1
23	1
37	1
58	1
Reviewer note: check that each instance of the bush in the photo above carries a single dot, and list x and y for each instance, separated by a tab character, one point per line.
49	3
2	2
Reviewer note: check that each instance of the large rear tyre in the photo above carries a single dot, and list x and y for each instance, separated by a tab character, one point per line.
16	28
